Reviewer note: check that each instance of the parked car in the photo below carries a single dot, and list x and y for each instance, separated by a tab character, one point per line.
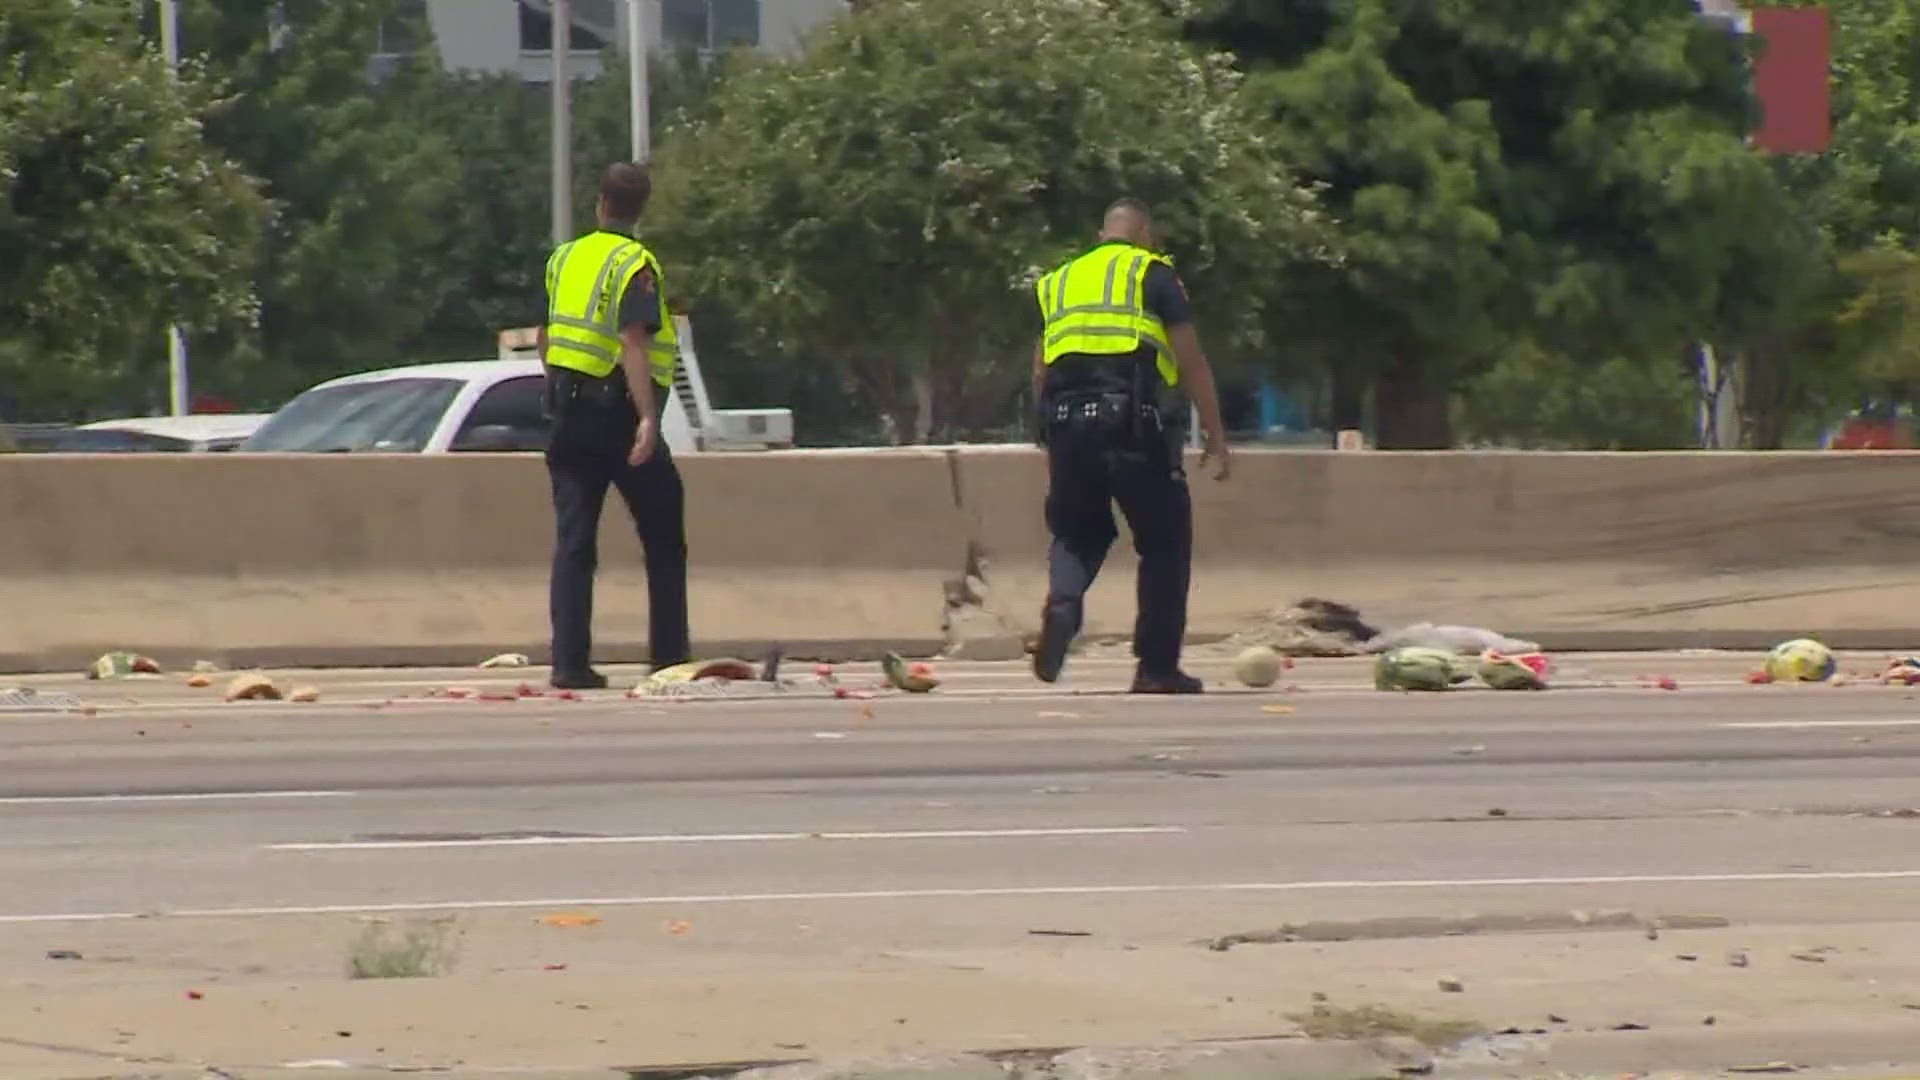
150	434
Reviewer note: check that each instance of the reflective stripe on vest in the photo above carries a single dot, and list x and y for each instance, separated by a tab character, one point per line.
1096	305
585	280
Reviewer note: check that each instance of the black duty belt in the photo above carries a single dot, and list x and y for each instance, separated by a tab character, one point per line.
568	390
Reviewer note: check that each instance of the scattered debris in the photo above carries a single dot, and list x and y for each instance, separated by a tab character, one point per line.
1769	1067
1629	1026
1496	812
1738	959
62	954
1045	714
120	665
205	667
553	967
679	927
1555	1018
1278	710
1258	666
195	995
1061	933
1522	671
1311	627
1459	640
1801	660
304	694
1666	682
199	681
1416	668
1808	957
829	734
1453	986
914	678
1901	671
1687	956
1759	678
569	920
26	700
1469	751
415	949
506	660
1710	1021
252	686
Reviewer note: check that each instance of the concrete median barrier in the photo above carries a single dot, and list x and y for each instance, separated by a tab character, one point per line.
326	560
404	560
1577	551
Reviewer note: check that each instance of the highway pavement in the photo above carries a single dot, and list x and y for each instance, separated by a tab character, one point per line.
164	802
945	820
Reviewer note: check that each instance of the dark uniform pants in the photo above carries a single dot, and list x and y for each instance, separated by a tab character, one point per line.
587	455
1090	470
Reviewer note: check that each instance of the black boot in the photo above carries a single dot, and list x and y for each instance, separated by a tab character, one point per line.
1174	682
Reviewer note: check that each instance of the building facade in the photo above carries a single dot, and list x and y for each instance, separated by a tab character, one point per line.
499	36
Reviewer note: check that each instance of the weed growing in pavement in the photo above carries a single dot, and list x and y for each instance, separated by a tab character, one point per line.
414	949
1362	1022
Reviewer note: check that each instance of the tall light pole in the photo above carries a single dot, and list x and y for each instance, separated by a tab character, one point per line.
178	396
562	178
638	31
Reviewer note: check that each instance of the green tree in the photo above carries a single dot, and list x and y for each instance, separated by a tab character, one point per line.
1569	173
366	194
118	216
1533	400
879	206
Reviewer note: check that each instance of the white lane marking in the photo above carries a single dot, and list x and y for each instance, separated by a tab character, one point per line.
731	838
194	796
984	893
1789	725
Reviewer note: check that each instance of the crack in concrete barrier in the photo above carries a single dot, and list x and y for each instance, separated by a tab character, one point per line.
972	629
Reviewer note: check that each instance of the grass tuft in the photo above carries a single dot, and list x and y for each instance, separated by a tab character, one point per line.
416	948
1362	1022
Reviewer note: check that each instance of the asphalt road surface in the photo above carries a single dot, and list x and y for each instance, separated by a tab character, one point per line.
386	794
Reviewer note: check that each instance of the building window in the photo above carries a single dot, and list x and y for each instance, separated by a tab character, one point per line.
536	27
710	25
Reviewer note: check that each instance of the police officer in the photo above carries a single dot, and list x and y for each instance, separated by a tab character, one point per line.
610	350
1119	337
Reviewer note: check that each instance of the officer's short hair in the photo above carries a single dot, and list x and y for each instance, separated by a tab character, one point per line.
624	189
1137	206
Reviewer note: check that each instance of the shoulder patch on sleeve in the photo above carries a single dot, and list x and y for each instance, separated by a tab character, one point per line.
1182	286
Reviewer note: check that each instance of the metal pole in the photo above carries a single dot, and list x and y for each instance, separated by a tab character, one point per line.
562	124
639	96
179	395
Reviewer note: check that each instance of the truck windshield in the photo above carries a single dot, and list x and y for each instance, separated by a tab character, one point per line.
393	416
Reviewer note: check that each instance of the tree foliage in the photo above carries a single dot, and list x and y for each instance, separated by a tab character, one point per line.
883	202
1569	173
368	217
119	216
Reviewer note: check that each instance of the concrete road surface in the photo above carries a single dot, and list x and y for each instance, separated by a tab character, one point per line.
989	866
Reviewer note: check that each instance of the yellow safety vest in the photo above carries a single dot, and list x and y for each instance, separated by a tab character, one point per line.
1096	304
585	280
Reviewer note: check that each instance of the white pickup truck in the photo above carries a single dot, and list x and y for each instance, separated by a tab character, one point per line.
490	405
